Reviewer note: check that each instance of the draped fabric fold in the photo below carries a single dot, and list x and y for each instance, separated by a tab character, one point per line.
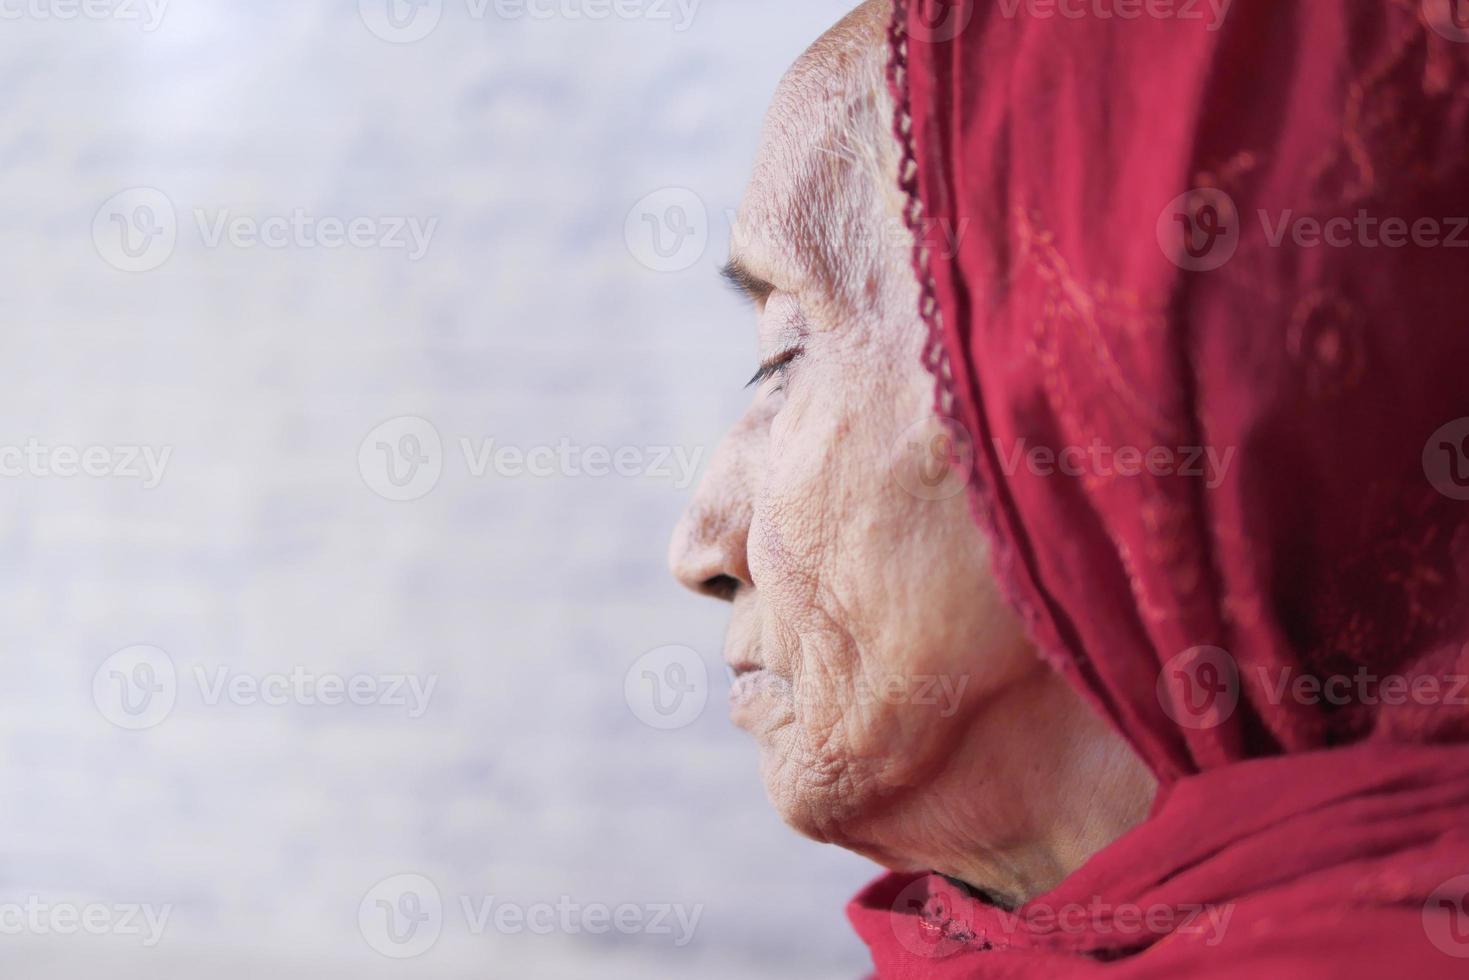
1206	330
1350	862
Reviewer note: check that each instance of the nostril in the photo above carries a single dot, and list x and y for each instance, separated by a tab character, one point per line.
720	587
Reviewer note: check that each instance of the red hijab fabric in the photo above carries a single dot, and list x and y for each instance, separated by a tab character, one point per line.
1206	331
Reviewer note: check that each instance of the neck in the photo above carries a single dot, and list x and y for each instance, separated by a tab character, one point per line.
1041	784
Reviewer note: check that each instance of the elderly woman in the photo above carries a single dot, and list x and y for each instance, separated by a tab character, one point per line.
1097	537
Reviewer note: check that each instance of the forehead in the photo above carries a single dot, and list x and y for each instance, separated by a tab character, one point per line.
816	189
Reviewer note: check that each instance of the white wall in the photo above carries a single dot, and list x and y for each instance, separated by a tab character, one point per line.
264	549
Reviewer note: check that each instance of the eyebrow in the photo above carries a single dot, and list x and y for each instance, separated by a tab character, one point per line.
739	276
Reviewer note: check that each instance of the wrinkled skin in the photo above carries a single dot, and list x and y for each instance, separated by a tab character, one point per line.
898	707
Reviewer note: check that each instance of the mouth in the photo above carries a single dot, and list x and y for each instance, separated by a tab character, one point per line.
740	668
749	688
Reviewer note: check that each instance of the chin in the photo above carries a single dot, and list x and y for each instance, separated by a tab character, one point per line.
825	799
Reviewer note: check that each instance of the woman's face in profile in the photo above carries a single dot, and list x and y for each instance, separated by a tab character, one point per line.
877	666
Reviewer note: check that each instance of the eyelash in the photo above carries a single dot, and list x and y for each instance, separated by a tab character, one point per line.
776	366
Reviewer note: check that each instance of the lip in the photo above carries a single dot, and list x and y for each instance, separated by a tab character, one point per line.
739	668
748	688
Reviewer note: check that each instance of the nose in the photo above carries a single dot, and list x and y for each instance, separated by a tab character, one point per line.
709	552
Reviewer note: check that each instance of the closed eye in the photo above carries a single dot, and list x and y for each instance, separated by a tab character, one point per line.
775	365
750	286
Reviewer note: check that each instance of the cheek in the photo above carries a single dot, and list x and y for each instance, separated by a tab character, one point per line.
821	479
828	526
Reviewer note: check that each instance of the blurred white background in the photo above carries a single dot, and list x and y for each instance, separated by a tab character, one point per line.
522	140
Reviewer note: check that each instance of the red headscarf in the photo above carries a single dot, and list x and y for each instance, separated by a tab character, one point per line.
1207	333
